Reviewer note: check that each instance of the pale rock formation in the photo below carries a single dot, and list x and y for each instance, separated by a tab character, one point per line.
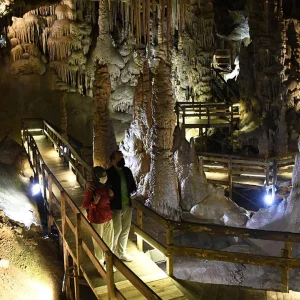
191	177
104	139
136	145
281	217
220	209
163	184
204	201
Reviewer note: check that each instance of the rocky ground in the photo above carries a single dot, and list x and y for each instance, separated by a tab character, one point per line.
30	266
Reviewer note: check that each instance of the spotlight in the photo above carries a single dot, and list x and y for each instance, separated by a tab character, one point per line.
65	150
269	199
35	189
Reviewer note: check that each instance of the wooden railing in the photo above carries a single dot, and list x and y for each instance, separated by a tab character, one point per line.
205	111
78	222
236	166
228	93
71	221
285	263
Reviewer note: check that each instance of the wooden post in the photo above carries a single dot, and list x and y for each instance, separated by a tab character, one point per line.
230	177
66	269
44	183
110	275
231	124
170	261
50	201
76	268
76	282
177	113
286	252
183	115
274	179
140	224
267	175
63	213
78	242
208	116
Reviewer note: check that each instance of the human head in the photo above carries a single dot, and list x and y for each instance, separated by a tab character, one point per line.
117	159
100	174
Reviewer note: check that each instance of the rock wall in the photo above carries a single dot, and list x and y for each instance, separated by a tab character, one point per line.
262	83
192	57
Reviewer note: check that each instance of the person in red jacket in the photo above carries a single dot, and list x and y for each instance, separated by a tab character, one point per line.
97	204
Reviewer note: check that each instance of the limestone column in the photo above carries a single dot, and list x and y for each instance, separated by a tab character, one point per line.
163	184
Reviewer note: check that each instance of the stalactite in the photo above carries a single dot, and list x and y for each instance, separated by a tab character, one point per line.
45	36
65	72
14	42
50	20
169	24
162	19
60	28
16	53
61	48
148	28
63	11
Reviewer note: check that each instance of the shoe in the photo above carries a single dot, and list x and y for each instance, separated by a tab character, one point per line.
126	257
104	267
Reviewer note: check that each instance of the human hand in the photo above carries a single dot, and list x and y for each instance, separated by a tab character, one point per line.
89	186
133	195
96	198
110	193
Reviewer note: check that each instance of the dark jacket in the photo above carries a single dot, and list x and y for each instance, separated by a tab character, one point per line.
114	182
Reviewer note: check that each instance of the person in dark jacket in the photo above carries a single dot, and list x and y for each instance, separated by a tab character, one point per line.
97	203
121	182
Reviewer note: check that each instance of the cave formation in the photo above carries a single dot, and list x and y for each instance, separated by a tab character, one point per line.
109	73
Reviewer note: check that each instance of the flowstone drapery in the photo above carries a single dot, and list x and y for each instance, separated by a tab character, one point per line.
104	139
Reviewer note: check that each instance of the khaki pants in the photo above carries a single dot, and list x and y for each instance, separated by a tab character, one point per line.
106	232
122	222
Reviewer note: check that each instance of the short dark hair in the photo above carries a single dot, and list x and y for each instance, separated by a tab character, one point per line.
99	172
113	155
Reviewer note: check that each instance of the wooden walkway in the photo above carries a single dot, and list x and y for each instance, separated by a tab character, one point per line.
164	286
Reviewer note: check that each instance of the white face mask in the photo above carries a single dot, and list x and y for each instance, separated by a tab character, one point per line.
103	179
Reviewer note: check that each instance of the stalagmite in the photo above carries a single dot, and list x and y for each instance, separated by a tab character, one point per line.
104	139
163	185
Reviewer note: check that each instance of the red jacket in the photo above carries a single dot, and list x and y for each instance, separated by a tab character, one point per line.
100	212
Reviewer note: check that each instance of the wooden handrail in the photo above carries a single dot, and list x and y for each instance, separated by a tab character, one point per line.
82	222
66	143
236	257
